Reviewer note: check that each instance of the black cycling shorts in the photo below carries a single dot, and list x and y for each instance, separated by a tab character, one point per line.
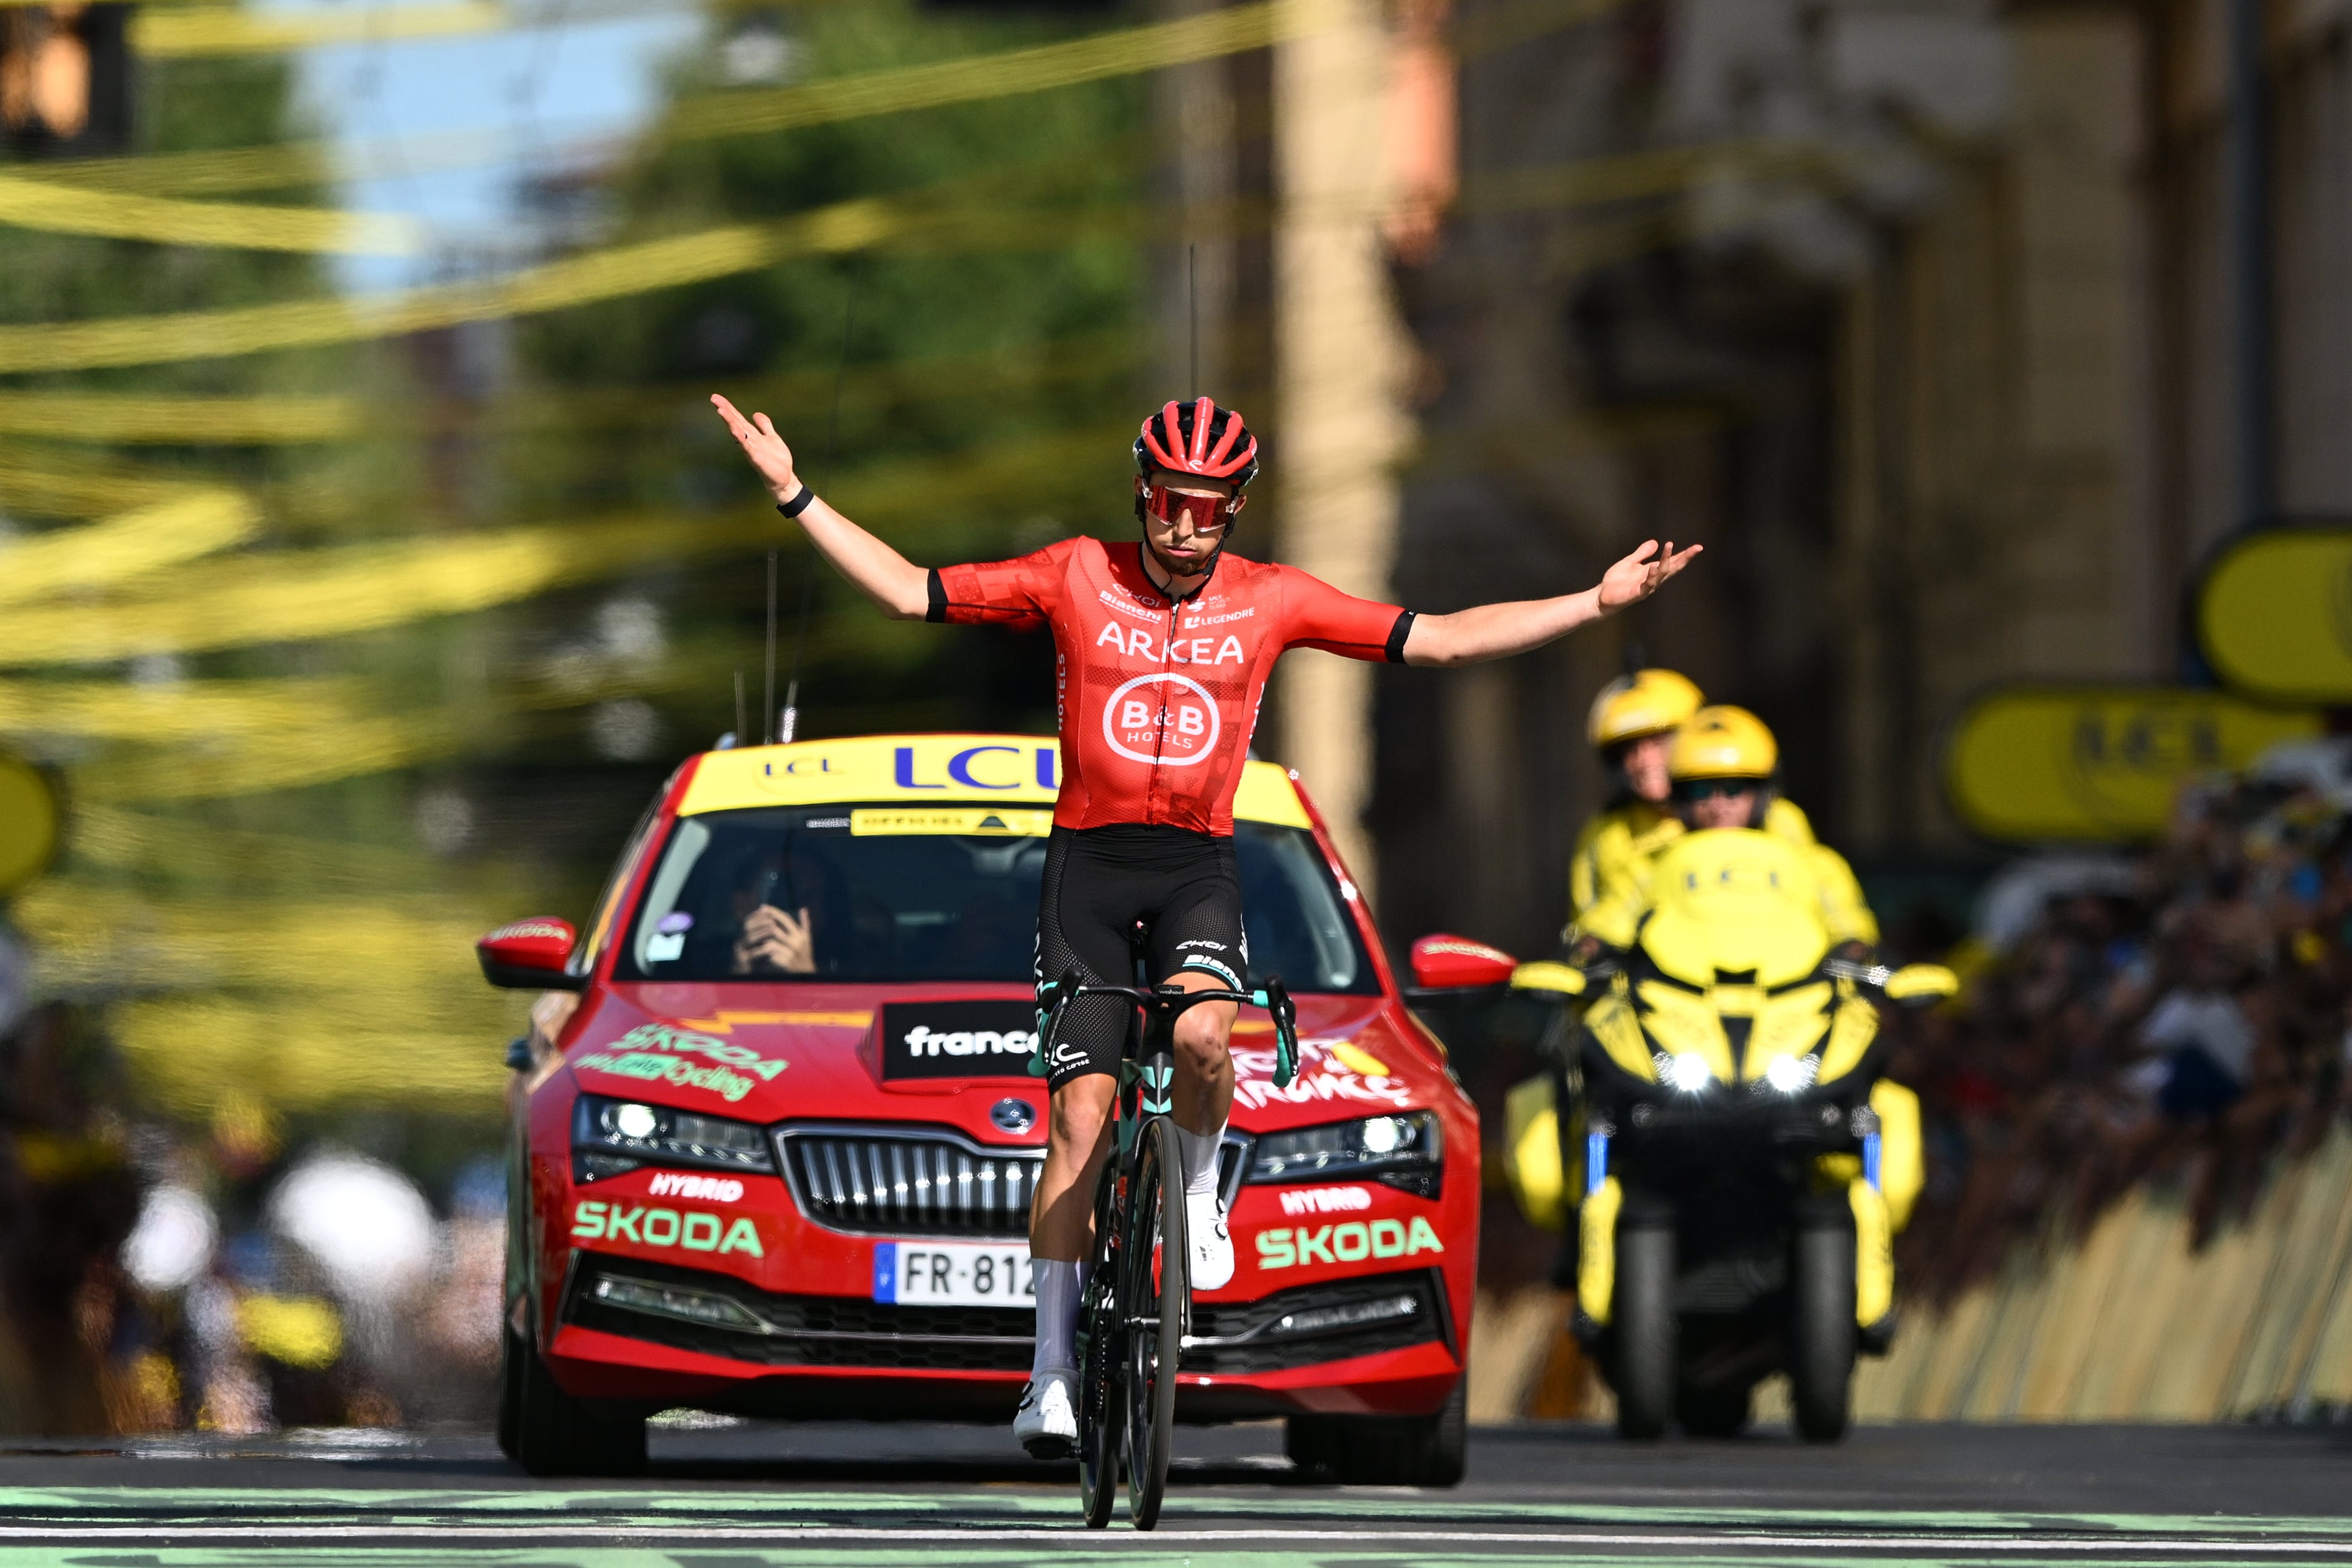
1169	894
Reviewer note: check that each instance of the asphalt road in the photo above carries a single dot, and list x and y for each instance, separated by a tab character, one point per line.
744	1496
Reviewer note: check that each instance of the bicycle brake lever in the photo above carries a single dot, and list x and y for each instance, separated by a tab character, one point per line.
1277	1000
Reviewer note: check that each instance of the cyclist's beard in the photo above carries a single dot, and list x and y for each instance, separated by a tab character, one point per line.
1183	570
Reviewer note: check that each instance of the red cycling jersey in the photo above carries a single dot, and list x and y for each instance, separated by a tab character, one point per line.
1157	700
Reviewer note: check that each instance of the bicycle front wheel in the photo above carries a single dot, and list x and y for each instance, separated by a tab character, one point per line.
1160	1304
1102	1358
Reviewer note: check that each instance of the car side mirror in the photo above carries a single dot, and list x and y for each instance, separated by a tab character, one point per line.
1444	962
1918	985
531	955
1557	979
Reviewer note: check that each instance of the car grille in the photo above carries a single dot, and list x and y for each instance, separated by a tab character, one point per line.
802	1331
909	1182
1362	1316
927	1182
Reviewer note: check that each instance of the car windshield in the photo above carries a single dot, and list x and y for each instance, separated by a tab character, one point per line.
896	893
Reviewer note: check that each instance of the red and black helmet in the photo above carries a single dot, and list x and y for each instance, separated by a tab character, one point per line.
1198	438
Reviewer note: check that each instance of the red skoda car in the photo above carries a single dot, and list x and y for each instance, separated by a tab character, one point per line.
781	1165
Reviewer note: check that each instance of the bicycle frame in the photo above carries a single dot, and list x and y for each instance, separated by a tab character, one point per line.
1129	1356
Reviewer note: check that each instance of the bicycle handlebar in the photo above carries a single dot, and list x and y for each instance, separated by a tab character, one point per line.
1173	1000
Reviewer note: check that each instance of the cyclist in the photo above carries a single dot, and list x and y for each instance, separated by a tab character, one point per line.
1722	769
1162	649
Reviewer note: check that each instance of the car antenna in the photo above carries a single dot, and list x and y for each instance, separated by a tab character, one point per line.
768	699
791	720
1193	306
742	728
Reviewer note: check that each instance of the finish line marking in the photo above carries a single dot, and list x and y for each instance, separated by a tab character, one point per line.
168	1534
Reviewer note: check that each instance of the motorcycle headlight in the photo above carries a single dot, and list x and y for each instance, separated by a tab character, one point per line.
1406	1151
1685	1071
613	1136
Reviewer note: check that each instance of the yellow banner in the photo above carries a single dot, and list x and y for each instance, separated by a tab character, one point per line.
2274	614
2099	763
112	214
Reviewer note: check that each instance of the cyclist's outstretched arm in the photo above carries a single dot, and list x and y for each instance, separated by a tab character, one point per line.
1498	631
900	586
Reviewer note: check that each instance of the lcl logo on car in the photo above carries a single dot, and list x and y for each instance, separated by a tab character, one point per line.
957	1039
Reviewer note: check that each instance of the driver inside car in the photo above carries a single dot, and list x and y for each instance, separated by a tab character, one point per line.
778	932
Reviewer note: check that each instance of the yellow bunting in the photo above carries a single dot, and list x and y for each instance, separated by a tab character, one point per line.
178	421
2099	762
179	32
1207	35
165	533
2274	614
356	588
315	754
48	493
85	930
364	1047
575	281
213	712
1006	73
63	209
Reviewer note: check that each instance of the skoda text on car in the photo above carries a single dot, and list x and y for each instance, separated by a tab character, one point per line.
783	1166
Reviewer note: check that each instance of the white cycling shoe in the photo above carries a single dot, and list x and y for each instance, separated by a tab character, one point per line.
1212	1243
1047	1423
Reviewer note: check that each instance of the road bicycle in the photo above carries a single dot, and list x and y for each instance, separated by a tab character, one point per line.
1136	1312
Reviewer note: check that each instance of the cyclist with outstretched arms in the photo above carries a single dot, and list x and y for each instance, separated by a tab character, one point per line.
1161	654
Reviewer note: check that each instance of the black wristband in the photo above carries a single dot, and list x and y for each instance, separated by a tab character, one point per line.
799	503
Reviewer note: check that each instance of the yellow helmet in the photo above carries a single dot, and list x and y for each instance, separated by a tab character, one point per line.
1723	742
1647	702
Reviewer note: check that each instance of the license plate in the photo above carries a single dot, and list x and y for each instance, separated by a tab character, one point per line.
953	1274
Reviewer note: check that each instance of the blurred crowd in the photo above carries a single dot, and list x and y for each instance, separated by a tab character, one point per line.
235	1276
2178	1016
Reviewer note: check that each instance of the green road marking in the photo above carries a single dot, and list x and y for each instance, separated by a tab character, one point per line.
1135	1551
391	1507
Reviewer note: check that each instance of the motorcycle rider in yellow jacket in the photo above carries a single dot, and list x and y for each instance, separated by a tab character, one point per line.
1719	768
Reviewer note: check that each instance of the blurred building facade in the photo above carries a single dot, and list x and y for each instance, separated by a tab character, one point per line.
1933	319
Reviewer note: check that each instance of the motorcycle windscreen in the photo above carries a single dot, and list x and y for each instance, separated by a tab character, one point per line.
1734	901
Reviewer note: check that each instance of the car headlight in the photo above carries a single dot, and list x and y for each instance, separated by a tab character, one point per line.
1406	1151
613	1136
1792	1075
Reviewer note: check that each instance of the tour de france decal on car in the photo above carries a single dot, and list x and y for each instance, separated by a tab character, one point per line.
690	1229
1349	1242
656	1053
1174	727
1327	1069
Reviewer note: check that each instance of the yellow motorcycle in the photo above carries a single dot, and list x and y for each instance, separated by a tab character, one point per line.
1745	1163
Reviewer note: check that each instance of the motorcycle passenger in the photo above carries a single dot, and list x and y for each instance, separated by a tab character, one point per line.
1621	843
1722	767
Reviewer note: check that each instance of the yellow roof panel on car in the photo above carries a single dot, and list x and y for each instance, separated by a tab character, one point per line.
930	769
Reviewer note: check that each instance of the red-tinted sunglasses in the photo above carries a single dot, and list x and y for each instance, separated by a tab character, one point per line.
1209	513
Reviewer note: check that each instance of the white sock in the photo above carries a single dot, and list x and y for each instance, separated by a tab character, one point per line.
1059	1285
1200	1152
